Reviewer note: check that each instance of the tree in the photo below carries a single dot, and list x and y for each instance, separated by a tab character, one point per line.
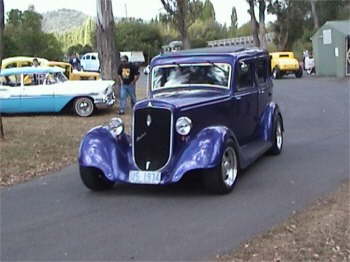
234	20
262	28
314	14
253	22
208	11
183	13
2	25
106	46
23	36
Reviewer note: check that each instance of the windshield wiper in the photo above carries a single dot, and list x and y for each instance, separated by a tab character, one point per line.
216	66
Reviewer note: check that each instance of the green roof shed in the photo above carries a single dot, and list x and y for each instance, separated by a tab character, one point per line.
331	49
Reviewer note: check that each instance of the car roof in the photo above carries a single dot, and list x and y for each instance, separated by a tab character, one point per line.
222	50
30	70
21	59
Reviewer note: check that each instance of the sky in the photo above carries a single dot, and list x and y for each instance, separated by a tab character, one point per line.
145	9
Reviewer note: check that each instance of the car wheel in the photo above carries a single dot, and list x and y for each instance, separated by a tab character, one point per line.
299	73
277	145
276	73
83	106
222	179
94	179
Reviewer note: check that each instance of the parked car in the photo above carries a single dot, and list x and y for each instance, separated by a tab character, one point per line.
21	61
90	62
284	63
209	111
74	75
46	89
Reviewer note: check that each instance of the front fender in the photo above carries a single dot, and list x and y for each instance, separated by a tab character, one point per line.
267	121
101	150
203	151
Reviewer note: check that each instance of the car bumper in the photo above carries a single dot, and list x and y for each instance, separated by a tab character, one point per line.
105	102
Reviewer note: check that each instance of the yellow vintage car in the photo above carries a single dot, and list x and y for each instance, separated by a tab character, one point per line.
21	61
284	63
74	75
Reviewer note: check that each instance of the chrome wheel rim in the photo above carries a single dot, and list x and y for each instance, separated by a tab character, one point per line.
84	107
279	136
229	166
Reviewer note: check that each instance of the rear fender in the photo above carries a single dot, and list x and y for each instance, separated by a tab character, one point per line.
267	121
203	151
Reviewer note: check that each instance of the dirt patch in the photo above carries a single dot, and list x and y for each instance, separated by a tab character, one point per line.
36	145
319	233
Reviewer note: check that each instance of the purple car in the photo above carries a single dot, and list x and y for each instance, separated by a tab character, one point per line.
208	110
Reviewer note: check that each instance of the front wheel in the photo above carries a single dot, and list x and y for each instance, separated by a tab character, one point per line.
277	145
83	106
299	73
222	179
94	179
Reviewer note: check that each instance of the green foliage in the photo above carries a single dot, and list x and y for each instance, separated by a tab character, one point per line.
135	35
208	11
80	49
23	36
83	36
203	31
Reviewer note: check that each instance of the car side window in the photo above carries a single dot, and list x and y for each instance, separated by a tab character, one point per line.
93	57
244	75
87	57
261	70
11	65
11	80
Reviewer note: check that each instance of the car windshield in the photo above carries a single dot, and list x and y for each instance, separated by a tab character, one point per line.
186	75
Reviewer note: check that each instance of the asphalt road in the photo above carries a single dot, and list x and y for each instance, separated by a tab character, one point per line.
57	218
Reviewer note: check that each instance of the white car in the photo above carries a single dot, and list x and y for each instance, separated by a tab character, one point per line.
90	62
46	89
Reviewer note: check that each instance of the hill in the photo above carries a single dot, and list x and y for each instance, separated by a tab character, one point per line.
63	20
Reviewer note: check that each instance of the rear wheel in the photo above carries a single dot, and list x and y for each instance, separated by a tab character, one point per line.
277	145
83	106
299	73
222	179
94	179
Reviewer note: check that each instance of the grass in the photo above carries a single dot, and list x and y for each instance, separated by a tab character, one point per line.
319	233
36	145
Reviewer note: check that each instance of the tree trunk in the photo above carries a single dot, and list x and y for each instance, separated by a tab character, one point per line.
105	39
254	23
262	28
314	14
2	25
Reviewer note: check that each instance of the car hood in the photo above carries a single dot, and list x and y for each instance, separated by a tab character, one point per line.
186	98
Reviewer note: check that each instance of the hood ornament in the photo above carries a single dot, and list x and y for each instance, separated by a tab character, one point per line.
148	120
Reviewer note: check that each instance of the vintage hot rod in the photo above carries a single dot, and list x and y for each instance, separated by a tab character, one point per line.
208	110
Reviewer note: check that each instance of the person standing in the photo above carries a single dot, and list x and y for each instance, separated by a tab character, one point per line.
128	75
75	62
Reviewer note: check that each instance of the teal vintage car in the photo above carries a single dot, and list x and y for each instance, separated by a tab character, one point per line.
46	89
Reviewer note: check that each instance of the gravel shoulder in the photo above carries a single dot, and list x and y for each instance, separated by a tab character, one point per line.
320	232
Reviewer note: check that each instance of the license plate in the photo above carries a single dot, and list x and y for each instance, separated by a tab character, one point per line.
144	177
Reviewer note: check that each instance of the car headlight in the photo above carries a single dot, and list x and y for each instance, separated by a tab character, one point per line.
116	126
183	126
107	90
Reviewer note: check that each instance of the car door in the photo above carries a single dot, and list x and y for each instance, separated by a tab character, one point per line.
245	102
10	94
94	63
264	83
37	96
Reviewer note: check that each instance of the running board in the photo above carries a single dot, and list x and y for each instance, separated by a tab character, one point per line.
252	151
